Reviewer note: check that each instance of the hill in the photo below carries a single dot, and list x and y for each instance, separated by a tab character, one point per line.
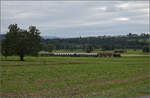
2	36
130	41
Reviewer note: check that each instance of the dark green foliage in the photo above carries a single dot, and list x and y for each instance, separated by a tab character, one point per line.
21	42
34	39
146	49
130	41
48	47
89	49
6	50
107	47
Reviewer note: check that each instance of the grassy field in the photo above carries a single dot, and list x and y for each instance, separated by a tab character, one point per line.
66	77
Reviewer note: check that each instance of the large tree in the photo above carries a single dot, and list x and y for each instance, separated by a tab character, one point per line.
21	42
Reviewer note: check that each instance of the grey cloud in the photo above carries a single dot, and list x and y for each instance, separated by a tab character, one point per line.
79	18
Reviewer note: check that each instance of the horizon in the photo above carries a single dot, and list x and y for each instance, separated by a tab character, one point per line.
60	37
68	19
94	36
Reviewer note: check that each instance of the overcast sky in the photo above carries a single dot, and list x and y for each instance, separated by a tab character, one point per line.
77	18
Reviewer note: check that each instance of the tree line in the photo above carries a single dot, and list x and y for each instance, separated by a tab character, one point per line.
129	41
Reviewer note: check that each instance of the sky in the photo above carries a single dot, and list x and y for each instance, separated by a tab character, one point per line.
77	18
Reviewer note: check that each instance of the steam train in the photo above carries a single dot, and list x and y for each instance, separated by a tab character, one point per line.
82	54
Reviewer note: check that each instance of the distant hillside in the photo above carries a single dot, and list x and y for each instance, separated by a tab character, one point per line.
2	36
130	41
50	37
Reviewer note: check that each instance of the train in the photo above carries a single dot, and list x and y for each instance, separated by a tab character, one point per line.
82	54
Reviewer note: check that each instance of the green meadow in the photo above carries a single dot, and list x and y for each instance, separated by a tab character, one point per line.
76	77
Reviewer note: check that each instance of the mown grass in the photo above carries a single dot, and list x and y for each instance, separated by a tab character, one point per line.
75	77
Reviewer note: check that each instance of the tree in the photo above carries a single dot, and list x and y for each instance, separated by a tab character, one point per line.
34	41
89	49
21	42
107	47
50	48
146	49
5	50
47	47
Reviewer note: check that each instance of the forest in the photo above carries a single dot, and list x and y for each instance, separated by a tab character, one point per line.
129	41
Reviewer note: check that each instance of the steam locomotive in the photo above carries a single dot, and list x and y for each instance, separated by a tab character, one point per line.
82	54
